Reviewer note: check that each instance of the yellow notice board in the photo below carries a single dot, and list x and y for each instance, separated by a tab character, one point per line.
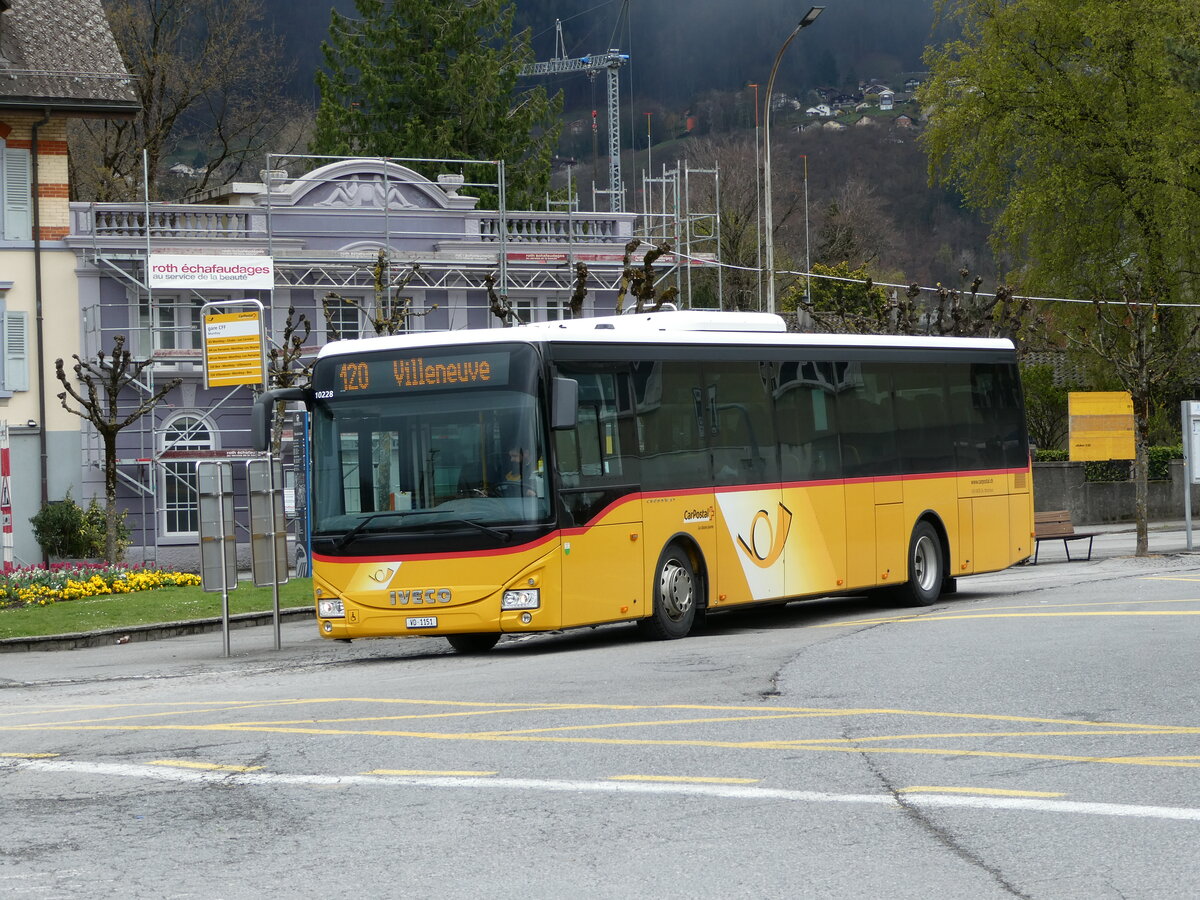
233	349
1101	425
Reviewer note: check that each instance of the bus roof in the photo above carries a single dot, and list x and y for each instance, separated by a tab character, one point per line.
674	327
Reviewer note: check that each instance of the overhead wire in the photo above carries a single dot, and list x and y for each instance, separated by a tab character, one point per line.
924	289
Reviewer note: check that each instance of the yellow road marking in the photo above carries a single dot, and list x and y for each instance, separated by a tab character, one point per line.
684	779
28	755
598	725
991	792
833	745
426	772
209	767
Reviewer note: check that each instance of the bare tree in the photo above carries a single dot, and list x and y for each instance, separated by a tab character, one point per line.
641	281
103	382
855	227
856	305
208	72
388	311
286	367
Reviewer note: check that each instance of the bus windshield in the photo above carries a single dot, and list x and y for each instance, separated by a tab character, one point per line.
398	452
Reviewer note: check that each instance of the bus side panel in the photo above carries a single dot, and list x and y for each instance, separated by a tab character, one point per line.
754	532
1020	519
938	494
603	575
892	537
860	535
695	515
963	556
816	556
991	528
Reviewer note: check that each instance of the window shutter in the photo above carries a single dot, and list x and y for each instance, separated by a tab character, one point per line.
18	199
16	351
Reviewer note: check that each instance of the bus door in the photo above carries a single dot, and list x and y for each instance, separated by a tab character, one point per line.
753	525
814	494
603	578
876	536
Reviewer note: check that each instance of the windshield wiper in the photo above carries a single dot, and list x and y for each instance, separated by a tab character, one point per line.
344	541
499	535
354	532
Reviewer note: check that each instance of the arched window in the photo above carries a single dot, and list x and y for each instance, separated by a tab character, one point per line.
179	441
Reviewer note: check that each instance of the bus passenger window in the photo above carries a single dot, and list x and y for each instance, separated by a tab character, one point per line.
805	418
601	449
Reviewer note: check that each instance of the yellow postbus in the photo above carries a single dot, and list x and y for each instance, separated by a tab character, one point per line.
651	468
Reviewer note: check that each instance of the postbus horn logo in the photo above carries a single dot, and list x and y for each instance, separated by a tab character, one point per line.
763	535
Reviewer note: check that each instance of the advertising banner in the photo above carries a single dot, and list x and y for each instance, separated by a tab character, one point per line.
213	273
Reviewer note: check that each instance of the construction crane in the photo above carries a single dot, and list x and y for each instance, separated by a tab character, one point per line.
591	65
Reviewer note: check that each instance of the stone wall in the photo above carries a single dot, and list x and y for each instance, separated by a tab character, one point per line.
1061	485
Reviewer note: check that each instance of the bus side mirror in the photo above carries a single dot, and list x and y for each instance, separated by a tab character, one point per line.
264	411
564	404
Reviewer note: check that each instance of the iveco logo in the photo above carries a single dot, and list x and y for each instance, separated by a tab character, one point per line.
420	596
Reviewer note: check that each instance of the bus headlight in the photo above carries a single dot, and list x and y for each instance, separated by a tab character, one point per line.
524	598
333	608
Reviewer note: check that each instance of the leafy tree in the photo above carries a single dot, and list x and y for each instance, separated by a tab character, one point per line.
436	79
99	403
1045	407
1074	123
209	74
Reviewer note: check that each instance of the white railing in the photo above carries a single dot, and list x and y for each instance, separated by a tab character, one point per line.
166	221
129	220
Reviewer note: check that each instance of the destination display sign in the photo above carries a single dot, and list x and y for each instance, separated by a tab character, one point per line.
346	375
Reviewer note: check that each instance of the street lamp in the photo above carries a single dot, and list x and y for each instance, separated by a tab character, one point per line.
808	19
757	198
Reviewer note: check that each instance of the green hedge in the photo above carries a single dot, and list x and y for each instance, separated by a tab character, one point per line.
1119	469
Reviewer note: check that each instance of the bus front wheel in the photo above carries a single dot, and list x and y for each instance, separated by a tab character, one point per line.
472	643
926	567
676	595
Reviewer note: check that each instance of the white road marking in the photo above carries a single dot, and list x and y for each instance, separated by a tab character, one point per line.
714	791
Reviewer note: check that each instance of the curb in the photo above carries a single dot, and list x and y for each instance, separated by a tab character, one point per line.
138	633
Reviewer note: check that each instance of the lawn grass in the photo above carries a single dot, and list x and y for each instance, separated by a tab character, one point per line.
166	604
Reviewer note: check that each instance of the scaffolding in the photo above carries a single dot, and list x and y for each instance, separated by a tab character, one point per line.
669	213
530	256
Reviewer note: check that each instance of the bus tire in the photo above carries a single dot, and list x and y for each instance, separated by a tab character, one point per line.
926	567
676	595
472	643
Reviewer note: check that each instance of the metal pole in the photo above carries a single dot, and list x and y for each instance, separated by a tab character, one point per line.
807	245
224	568
757	202
808	19
1188	463
272	487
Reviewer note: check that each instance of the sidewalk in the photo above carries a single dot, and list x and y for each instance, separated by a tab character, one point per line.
1111	542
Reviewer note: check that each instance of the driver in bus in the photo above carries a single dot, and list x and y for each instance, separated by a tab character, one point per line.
521	473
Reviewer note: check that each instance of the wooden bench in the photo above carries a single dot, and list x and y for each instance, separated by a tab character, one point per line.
1055	525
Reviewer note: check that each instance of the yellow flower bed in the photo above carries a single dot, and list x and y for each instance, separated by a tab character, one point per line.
40	587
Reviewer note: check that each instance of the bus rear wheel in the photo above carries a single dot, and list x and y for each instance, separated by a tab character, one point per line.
676	595
926	567
472	643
